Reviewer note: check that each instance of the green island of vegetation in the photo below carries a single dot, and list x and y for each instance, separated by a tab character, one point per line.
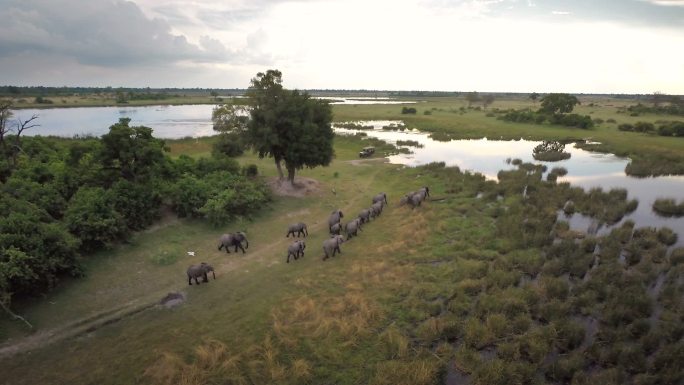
483	279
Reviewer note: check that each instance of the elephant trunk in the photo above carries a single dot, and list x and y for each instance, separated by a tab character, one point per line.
213	273
246	244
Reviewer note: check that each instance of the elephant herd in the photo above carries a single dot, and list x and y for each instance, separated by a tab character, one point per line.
331	246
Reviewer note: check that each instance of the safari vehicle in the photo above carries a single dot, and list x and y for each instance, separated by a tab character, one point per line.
366	152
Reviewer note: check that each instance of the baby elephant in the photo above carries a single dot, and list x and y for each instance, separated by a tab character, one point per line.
332	245
299	228
335	229
201	270
296	250
335	217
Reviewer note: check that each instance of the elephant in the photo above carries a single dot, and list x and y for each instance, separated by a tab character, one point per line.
377	208
234	239
416	199
352	228
299	228
332	245
335	229
335	217
201	270
426	190
296	250
364	215
380	197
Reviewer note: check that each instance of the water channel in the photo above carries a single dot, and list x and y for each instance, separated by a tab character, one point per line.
585	169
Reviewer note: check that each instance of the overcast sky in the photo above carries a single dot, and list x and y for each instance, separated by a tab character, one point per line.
591	46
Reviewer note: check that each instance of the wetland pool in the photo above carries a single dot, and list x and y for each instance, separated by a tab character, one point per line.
585	169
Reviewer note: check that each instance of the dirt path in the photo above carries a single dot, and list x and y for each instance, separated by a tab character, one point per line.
150	300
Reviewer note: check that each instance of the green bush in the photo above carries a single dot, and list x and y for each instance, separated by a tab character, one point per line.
92	218
666	236
677	256
644	127
668	207
251	170
228	144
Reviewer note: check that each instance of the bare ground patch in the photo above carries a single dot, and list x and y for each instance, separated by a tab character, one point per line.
301	187
367	162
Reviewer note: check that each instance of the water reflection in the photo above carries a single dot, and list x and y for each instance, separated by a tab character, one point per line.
167	121
585	169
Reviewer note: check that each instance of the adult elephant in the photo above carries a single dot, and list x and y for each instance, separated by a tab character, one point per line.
299	228
364	215
416	198
201	270
425	190
352	228
296	250
334	218
234	239
376	209
381	197
332	245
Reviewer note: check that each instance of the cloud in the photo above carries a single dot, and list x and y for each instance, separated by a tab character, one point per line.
98	32
667	3
660	13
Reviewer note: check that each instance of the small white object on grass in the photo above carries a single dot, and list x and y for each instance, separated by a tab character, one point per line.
191	253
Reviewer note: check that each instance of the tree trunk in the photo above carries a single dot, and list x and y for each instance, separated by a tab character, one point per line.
280	169
291	174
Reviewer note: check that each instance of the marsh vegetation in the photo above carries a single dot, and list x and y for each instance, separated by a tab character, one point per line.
485	279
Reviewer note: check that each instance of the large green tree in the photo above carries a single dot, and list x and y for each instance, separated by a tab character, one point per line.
556	104
131	153
287	125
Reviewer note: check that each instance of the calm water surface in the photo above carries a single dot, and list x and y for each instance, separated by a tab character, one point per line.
585	169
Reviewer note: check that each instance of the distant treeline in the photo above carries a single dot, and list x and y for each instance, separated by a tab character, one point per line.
17	91
13	91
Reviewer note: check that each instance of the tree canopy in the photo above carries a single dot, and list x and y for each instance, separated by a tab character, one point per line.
558	103
287	125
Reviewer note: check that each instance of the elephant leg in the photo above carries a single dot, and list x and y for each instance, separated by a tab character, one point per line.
189	280
241	248
288	258
196	281
205	278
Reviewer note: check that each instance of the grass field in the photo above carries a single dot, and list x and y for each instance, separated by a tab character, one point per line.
478	279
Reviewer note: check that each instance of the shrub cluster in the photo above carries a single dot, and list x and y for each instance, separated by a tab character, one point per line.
668	207
539	117
65	198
